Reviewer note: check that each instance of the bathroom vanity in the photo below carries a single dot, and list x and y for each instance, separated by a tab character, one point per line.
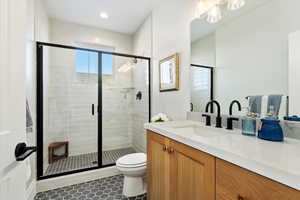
189	161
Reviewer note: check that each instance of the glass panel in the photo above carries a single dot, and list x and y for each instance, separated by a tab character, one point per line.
70	129
201	87
86	62
107	64
125	107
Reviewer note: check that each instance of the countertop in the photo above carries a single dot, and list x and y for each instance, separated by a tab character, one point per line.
279	161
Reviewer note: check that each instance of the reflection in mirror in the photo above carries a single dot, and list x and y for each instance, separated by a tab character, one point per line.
249	54
201	87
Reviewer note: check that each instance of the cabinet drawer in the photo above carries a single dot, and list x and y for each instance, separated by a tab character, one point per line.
236	183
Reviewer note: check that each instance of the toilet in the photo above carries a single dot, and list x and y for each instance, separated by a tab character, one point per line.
133	167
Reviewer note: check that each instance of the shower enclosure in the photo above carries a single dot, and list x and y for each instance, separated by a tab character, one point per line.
91	107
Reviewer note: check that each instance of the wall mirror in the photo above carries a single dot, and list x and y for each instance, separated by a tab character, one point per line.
249	51
169	73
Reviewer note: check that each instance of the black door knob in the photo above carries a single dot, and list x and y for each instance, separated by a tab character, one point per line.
22	151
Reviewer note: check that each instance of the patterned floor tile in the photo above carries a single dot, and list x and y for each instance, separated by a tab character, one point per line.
103	189
86	161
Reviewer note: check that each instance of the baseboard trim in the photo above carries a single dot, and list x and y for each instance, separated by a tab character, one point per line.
54	183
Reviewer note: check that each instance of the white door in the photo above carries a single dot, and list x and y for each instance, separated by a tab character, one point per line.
12	97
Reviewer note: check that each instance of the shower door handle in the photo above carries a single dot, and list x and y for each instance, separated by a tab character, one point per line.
93	109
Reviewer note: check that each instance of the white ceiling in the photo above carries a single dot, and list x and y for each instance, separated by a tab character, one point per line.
200	28
125	16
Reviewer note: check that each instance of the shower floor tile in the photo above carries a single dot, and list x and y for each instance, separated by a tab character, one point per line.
86	161
109	188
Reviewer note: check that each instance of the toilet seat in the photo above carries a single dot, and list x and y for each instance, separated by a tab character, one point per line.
132	160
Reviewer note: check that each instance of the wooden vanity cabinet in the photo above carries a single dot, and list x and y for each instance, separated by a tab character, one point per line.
236	183
178	172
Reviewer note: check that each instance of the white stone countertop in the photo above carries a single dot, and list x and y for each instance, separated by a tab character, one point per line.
279	161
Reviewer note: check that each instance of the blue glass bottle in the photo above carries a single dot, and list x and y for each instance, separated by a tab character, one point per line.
249	124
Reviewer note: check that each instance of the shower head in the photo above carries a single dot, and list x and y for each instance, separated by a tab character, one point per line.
128	65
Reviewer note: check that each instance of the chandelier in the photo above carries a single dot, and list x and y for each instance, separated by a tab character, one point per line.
212	9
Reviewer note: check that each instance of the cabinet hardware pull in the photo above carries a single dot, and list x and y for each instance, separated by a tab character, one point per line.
170	150
240	197
165	148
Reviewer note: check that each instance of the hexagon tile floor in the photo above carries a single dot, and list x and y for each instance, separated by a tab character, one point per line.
103	189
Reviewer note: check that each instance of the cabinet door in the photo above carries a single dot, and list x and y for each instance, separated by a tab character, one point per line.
236	183
158	163
192	173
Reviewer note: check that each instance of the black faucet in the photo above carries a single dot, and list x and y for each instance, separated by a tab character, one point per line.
231	119
207	119
218	118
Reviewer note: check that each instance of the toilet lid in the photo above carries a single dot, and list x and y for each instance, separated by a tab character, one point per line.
133	159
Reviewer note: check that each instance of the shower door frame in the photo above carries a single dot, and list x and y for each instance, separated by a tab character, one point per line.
40	112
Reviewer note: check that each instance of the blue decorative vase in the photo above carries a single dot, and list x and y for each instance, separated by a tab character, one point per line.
270	130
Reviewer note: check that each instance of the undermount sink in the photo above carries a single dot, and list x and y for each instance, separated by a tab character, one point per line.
197	130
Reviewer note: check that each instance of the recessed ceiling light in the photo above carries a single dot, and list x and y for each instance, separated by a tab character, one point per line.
104	15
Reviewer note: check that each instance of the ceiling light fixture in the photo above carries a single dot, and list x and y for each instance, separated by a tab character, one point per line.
235	4
212	9
104	15
214	14
201	10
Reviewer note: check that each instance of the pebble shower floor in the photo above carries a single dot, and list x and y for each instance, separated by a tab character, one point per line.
109	188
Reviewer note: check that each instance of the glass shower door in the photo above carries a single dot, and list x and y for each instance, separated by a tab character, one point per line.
70	117
125	105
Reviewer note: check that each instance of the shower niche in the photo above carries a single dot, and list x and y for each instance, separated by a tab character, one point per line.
91	106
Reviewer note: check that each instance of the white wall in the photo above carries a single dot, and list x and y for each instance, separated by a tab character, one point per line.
171	34
142	45
252	52
203	51
72	34
142	39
